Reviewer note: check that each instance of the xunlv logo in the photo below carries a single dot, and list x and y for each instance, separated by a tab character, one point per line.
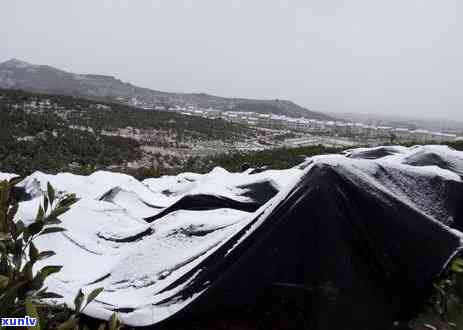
18	321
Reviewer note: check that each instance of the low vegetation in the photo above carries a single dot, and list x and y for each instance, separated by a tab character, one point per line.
60	133
444	310
280	158
22	290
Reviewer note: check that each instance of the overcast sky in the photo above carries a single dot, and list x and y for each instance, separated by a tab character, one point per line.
396	56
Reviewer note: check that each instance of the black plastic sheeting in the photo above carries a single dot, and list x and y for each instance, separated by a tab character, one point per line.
354	255
435	159
374	153
258	194
202	202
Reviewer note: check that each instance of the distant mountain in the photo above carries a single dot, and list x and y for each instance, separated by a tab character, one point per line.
16	74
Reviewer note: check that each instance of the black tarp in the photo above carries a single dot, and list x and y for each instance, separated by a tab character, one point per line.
358	257
202	202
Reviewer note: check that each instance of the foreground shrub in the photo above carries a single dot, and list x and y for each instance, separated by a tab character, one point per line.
444	310
21	292
19	288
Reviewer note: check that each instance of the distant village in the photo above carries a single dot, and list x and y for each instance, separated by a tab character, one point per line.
355	132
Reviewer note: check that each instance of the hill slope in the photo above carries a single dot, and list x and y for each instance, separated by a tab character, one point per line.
52	132
16	74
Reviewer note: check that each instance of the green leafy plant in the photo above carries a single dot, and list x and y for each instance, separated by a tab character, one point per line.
445	310
74	322
21	290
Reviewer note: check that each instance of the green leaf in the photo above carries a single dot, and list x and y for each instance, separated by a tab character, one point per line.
46	254
48	295
33	252
27	270
37	282
457	269
93	295
41	275
457	265
5	236
31	311
40	214
4	280
48	270
4	264
53	221
42	291
26	234
114	323
78	300
35	228
10	219
17	254
438	288
68	200
19	227
59	211
51	193
51	230
17	179
5	190
45	204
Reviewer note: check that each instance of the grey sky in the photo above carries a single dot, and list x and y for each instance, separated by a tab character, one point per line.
396	56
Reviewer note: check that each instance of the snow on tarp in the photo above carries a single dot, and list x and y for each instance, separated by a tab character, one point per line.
219	182
376	226
7	176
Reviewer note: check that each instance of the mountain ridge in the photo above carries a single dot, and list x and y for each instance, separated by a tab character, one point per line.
18	74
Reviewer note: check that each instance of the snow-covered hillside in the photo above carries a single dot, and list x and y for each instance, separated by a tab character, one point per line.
181	244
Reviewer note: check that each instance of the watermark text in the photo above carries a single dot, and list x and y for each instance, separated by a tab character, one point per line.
18	321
